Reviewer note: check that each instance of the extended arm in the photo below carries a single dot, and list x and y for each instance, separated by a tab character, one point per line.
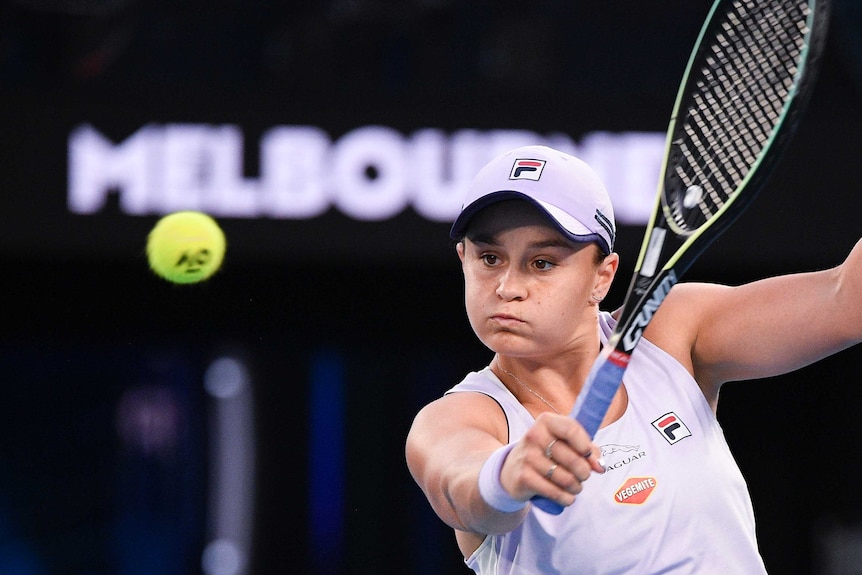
453	437
764	328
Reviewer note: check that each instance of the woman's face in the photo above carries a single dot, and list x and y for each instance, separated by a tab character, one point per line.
527	287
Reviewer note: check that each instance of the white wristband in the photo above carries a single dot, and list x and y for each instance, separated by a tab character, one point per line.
490	487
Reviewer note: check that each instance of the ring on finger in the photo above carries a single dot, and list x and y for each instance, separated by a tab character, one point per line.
548	449
551	471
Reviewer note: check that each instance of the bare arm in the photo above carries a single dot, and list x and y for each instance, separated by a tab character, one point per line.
445	451
764	328
452	438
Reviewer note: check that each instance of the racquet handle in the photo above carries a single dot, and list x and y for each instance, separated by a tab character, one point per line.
593	402
599	390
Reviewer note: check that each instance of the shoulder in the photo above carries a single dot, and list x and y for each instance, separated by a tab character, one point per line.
461	411
689	321
685	305
681	317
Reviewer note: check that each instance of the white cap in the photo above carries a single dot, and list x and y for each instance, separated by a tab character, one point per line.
563	187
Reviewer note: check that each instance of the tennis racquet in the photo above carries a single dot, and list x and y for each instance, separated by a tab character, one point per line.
745	84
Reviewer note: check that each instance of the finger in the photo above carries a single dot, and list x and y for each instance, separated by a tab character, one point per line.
567	430
549	450
580	464
595	459
559	484
560	455
565	468
564	480
527	472
552	478
571	434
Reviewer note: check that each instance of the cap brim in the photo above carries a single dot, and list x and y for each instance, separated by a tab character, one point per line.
565	224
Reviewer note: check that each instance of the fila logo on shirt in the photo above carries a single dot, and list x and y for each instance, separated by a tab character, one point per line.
527	170
671	427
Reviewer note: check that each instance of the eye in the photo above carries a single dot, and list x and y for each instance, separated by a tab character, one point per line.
543	264
489	259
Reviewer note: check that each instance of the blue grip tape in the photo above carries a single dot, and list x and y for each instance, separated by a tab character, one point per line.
590	409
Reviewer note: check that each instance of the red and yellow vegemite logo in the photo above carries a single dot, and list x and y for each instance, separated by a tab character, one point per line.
635	490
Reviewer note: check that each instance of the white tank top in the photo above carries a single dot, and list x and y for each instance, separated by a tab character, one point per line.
672	500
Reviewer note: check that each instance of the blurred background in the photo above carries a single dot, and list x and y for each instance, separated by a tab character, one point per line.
255	423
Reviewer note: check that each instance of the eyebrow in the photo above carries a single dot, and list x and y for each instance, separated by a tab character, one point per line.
487	239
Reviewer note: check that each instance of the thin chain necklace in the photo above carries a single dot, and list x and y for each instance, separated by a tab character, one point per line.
528	388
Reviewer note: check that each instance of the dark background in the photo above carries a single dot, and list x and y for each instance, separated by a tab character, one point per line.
84	321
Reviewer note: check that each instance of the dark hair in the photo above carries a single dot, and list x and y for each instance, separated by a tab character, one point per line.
599	255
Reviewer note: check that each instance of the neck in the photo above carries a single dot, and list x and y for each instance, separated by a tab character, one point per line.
541	388
526	387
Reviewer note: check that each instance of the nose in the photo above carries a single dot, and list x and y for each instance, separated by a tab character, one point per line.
512	285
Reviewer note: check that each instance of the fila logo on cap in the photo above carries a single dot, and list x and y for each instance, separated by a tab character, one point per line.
527	170
671	427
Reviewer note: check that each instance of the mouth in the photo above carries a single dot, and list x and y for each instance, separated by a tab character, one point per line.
506	320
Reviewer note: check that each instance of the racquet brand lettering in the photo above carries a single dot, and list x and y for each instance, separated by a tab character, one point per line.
633	334
635	490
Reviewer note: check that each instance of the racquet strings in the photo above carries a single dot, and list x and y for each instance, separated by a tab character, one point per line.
741	82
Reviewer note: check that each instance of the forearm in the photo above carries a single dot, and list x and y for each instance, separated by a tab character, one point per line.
489	508
455	495
475	482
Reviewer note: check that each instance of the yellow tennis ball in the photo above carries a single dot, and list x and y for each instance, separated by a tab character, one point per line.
186	247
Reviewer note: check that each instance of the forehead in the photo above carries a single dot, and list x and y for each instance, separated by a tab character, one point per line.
507	215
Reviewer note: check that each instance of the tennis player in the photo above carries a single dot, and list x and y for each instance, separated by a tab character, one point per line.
657	491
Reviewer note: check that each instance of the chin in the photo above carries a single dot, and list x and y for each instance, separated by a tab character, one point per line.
506	343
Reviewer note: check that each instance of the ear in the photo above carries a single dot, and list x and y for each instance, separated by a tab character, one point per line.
605	273
459	247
